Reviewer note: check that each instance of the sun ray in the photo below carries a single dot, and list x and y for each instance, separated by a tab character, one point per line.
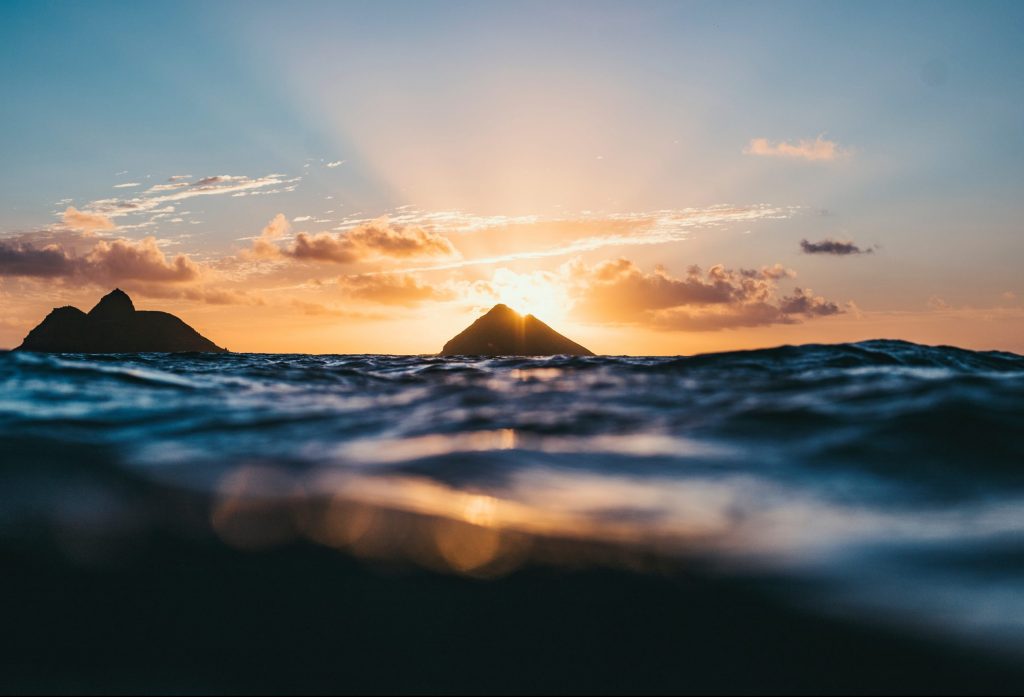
536	294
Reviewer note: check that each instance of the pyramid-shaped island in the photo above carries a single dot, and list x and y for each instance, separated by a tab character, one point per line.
505	332
115	326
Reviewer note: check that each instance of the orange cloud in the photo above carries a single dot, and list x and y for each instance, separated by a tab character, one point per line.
121	260
619	291
265	246
400	241
197	293
85	221
818	149
393	289
376	239
325	247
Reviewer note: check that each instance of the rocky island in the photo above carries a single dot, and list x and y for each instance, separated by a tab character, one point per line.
505	332
115	326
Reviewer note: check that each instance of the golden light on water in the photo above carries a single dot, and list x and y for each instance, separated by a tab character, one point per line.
467	548
341	523
480	510
255	508
411	519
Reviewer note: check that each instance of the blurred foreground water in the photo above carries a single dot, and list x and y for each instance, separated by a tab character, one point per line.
817	517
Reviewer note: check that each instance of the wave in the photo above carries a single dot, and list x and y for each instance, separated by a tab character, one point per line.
856	464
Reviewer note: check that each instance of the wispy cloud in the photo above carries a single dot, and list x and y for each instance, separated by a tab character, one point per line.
307	307
179	188
197	293
336	163
127	185
605	230
818	150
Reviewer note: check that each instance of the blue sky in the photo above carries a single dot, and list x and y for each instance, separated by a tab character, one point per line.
548	109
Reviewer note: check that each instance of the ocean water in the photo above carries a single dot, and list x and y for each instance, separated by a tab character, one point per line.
882	479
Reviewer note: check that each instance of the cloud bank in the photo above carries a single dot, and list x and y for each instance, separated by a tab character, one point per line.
719	298
107	262
20	259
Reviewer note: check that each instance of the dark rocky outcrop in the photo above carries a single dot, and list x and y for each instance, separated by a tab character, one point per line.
505	332
114	326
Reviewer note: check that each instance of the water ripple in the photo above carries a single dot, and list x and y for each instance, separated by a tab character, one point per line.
852	463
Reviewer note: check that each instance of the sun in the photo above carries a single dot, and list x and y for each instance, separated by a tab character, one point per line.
534	294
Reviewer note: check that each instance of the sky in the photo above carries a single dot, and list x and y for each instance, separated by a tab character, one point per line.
646	177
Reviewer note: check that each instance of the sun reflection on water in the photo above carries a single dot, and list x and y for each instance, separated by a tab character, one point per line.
480	510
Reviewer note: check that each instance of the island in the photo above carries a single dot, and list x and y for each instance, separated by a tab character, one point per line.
115	326
505	332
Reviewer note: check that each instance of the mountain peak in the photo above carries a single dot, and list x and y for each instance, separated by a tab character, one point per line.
503	310
115	305
504	332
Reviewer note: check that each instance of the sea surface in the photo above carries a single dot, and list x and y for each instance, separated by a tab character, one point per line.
880	479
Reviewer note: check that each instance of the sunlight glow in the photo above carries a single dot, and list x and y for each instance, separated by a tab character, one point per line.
536	294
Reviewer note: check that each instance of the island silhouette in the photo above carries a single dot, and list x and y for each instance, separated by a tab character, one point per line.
115	326
505	332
